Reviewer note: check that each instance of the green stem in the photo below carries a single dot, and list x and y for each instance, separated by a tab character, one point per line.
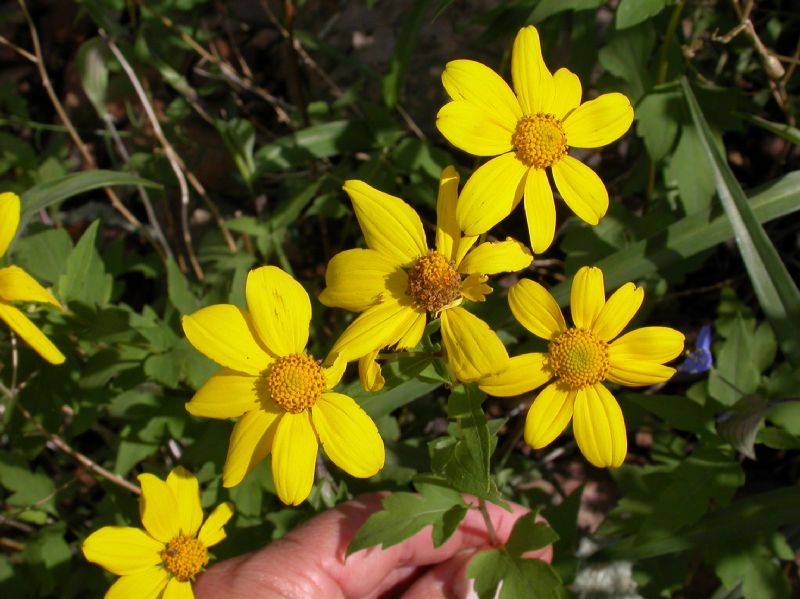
489	524
663	57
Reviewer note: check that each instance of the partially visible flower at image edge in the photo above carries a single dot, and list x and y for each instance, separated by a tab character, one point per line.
397	282
281	395
528	133
16	285
162	560
580	359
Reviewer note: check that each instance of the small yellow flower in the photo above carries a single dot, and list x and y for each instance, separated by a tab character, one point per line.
580	359
528	133
397	282
282	394
17	285
162	560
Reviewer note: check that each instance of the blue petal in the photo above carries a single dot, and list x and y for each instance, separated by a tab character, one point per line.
699	360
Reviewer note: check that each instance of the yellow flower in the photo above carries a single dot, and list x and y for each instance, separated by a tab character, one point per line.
161	560
580	359
528	132
281	393
398	281
17	285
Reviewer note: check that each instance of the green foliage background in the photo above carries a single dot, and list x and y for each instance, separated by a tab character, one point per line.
264	109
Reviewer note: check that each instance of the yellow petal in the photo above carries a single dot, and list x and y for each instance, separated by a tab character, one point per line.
414	332
187	493
448	234
618	311
474	130
142	585
280	308
599	427
294	456
587	296
379	326
535	309
251	441
637	373
357	279
334	370
212	531
9	219
122	550
532	81
390	226
177	589
599	122
567	92
227	394
581	188
652	344
30	333
17	285
477	84
474	288
369	372
540	210
490	194
493	257
226	334
524	373
348	435
549	415
158	508
473	349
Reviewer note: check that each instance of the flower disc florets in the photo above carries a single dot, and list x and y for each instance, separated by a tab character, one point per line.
539	140
184	557
578	358
434	283
295	382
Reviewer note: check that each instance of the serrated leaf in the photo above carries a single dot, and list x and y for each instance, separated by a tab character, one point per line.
405	514
735	373
58	189
777	292
529	535
85	279
44	255
633	12
752	565
28	488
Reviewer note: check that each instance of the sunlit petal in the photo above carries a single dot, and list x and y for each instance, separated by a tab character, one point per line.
382	325
227	394
280	308
581	188
549	415
251	441
212	531
490	194
177	589
9	218
294	455
652	344
187	493
448	234
348	435
599	427
567	92
148	584
599	122
535	309
158	508
474	130
540	210
122	550
356	279
524	373
474	288
492	257
473	349
369	372
618	311
477	84
18	286
390	226
30	333
533	83
637	373
587	296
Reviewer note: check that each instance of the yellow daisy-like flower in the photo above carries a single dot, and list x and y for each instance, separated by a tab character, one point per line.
161	561
528	133
18	286
580	359
397	282
281	393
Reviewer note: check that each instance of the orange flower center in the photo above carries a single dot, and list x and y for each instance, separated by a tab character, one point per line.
578	358
184	557
539	140
296	382
434	283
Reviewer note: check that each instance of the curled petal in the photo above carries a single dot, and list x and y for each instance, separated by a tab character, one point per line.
535	309
382	325
357	279
474	288
187	494
251	441
599	427
212	531
479	85
473	349
369	372
158	508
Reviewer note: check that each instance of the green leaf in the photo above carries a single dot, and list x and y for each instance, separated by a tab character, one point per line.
92	62
633	12
85	279
28	488
777	292
44	255
687	237
403	49
178	291
529	535
677	411
695	186
625	56
240	138
58	189
787	132
741	425
312	143
405	514
735	374
548	8
751	565
658	121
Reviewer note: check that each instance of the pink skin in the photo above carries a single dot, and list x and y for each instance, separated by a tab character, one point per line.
310	560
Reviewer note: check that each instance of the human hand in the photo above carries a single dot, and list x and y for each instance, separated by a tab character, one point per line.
309	562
